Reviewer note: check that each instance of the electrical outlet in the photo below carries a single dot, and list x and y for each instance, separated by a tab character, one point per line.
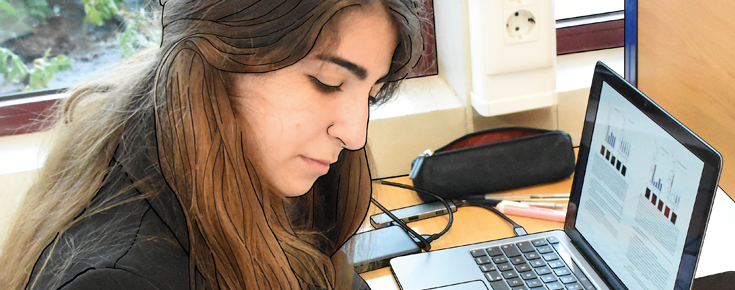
512	35
520	27
513	53
520	21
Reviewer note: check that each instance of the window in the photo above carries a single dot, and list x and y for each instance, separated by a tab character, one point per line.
53	44
48	45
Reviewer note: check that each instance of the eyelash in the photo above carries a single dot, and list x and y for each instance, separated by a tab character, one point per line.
324	87
330	89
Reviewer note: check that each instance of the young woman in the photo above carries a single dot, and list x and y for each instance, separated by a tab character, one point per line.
231	158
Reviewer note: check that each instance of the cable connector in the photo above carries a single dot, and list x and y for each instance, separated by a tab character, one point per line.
520	231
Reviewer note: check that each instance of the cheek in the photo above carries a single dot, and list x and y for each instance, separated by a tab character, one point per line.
280	122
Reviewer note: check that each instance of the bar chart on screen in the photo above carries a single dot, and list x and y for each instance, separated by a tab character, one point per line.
662	190
616	133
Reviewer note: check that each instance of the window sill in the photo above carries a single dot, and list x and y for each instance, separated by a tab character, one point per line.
416	96
20	115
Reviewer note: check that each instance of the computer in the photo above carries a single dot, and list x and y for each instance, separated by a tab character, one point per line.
639	204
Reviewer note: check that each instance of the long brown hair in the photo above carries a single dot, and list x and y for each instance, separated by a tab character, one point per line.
240	235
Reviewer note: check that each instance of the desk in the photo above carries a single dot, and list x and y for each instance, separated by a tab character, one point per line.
471	224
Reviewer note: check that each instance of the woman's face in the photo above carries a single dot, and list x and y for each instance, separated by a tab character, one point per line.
301	117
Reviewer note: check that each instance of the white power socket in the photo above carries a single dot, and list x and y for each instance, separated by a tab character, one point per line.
513	52
520	22
520	27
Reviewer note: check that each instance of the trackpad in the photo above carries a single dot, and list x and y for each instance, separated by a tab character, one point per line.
472	285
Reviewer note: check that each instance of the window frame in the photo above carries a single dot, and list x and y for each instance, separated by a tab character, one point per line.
591	32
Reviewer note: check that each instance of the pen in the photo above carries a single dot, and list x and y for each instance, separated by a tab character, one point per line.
523	198
527	196
543	204
532	212
496	202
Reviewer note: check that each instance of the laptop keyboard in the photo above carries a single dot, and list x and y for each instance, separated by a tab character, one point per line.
528	265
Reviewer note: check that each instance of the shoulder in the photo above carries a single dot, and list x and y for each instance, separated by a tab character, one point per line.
146	256
127	246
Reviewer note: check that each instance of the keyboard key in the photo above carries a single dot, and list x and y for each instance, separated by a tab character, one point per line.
488	267
567	279
574	286
510	250
550	256
510	274
556	264
504	267
548	278
534	283
500	259
520	288
478	253
499	285
493	276
562	271
482	260
553	240
555	286
543	270
537	263
545	249
517	260
528	275
523	267
539	242
525	247
532	255
494	251
515	282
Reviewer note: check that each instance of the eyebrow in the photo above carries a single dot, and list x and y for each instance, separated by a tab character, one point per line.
357	70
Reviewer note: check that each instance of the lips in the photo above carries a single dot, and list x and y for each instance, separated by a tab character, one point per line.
320	166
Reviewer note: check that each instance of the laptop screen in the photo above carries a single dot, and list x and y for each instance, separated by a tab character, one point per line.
637	196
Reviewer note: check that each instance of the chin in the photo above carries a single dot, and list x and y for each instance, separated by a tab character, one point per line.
296	189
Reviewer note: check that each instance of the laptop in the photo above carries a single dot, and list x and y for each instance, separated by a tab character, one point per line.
639	204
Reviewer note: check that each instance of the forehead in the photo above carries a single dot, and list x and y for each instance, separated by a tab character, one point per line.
361	36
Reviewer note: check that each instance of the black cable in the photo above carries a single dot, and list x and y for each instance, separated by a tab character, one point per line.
434	195
425	244
517	229
403	225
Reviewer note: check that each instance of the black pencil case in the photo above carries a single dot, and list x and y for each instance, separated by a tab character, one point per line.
494	160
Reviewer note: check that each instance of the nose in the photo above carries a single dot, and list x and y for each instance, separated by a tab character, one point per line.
350	123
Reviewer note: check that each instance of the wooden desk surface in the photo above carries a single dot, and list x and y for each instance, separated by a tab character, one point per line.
471	224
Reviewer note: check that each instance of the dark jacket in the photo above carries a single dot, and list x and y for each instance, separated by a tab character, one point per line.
141	243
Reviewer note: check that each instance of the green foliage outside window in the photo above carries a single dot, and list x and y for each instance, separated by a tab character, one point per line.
38	9
11	67
100	10
28	28
134	37
7	8
44	69
15	71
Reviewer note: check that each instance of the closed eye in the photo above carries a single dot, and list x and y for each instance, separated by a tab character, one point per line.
325	87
